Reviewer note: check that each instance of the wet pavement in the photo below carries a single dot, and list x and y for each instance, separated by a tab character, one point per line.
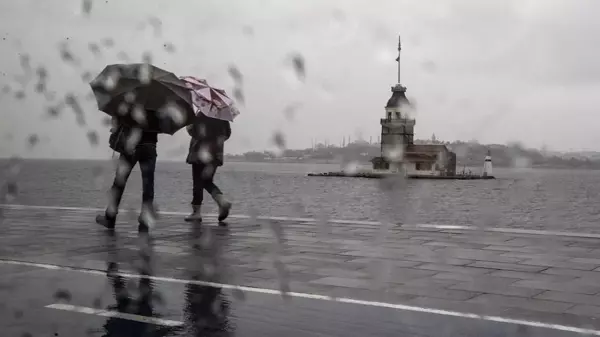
62	275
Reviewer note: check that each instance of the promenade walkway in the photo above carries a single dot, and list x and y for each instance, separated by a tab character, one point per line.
61	273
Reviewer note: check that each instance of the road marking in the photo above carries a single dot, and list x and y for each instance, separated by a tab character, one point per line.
395	306
116	314
336	221
444	226
233	216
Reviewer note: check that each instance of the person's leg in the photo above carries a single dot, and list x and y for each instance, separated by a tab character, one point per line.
224	206
146	156
197	192
124	166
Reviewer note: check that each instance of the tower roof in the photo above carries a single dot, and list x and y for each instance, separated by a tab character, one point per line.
398	98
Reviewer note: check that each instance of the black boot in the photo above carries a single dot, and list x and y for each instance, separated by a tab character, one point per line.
224	207
196	216
106	220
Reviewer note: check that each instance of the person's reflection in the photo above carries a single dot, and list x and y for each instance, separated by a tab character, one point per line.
206	308
128	303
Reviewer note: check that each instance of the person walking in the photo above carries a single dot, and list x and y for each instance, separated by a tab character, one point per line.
132	151
206	153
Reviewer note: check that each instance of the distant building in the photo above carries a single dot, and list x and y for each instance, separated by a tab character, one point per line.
398	151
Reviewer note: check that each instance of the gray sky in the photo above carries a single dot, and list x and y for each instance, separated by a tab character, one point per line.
496	71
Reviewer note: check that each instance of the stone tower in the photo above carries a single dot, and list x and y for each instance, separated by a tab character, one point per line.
397	128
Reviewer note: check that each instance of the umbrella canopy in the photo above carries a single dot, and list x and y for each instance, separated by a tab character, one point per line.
210	101
144	96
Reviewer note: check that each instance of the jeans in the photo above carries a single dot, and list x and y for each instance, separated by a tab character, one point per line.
145	155
203	176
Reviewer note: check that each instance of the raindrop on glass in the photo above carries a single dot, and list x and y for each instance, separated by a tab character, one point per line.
290	110
279	141
147	58
235	74
139	114
86	7
20	95
92	137
87	76
351	167
169	47
33	140
94	48
133	140
238	294
145	73
72	101
62	295
108	42
97	303
238	95
299	66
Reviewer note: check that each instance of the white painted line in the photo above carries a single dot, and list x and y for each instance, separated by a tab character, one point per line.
116	314
393	306
233	216
336	221
444	226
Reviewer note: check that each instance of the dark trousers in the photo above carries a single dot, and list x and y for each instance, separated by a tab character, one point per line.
145	155
203	176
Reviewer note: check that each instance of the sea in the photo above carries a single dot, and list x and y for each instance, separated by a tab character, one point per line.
566	200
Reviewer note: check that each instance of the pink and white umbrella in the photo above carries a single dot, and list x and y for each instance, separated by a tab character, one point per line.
212	102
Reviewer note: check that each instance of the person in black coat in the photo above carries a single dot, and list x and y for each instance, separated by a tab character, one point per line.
206	154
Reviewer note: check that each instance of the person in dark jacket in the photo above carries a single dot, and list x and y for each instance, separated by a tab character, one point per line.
134	146
206	155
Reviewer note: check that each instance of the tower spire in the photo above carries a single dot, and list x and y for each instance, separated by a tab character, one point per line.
398	59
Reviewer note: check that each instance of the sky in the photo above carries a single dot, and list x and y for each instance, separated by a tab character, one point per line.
494	71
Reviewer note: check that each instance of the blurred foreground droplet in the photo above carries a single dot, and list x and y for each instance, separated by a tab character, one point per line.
238	95
290	110
235	74
11	191
108	42
62	295
94	48
72	101
86	7
92	137
33	140
66	55
299	66
169	47
238	294
279	141
351	167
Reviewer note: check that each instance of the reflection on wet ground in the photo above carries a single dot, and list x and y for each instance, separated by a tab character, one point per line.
61	275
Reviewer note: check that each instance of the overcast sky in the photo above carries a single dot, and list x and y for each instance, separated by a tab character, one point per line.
495	71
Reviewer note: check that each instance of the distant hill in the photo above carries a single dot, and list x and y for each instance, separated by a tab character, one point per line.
468	154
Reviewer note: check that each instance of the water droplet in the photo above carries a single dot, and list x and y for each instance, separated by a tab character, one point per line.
248	31
122	56
133	139
145	73
299	66
87	76
394	152
130	97
238	294
175	112
72	101
53	111
279	141
25	61
66	55
521	162
205	156
94	48
42	73
97	303
108	42
290	110
20	95
123	108
238	95
235	74
92	137
147	58
40	87
351	167
5	89
139	115
86	7
62	295
429	66
33	140
156	25
169	47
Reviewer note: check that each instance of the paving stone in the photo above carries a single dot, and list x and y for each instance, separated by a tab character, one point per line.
559	264
507	266
592	275
567	286
531	276
560	296
585	310
491	288
343	282
521	302
458	295
340	273
454	269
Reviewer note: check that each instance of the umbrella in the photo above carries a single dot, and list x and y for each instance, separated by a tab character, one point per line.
210	101
144	96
